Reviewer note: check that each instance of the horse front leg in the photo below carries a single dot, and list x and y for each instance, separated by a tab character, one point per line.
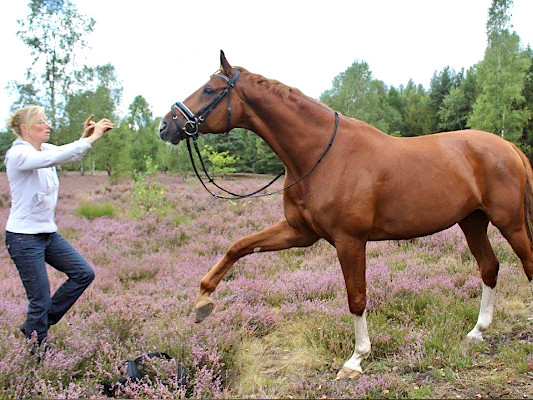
277	237
352	256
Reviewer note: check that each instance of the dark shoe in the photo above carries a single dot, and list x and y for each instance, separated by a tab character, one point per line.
22	328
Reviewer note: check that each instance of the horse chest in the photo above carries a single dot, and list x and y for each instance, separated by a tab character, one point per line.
309	215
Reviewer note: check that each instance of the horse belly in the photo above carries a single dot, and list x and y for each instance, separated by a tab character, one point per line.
424	208
425	222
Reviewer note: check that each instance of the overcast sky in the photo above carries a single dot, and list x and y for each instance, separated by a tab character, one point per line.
166	49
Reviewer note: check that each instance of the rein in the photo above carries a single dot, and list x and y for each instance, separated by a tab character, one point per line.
254	194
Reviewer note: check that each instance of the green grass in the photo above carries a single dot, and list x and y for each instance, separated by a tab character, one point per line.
93	211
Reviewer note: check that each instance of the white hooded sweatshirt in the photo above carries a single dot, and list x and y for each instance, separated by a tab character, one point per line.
34	183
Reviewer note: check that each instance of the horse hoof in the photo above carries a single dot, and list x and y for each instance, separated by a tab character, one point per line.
348	373
203	310
474	338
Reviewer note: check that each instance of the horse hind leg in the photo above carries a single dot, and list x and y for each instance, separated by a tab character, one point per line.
475	229
516	235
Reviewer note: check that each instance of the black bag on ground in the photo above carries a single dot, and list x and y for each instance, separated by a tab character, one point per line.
133	373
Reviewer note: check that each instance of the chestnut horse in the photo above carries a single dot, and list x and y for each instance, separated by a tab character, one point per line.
360	184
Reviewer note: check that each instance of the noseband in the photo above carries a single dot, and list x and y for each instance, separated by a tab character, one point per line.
191	126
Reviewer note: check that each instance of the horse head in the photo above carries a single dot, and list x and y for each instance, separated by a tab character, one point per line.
189	118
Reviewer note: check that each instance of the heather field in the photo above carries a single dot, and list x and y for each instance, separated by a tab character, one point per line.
281	327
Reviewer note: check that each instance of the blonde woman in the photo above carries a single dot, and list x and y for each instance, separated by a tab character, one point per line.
32	237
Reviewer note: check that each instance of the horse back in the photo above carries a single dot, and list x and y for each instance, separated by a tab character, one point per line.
399	188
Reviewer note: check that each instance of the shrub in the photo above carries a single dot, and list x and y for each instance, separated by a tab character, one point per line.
148	195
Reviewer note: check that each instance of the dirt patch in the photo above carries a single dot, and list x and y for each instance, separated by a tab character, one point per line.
482	384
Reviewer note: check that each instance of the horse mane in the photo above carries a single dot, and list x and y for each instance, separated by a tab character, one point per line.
278	88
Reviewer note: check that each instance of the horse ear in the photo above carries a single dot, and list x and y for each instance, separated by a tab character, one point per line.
224	64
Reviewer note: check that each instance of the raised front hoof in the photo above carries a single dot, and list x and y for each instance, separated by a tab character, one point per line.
348	373
203	309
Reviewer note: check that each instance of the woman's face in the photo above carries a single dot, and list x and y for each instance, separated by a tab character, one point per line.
37	132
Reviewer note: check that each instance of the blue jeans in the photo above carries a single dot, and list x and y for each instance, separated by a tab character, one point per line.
29	253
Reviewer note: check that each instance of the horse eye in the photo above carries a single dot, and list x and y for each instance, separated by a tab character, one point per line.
208	90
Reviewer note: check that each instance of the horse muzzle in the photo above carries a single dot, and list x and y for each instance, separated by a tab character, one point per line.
167	134
174	131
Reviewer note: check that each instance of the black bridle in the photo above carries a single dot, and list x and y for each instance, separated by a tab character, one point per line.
190	129
191	126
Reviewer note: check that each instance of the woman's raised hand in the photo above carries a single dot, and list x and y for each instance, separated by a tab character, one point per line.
88	127
98	128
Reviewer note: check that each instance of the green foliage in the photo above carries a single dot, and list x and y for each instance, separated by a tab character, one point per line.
400	112
264	160
6	138
222	162
254	154
441	85
148	195
111	153
501	78
54	31
351	91
416	112
356	94
101	98
92	211
527	136
176	159
457	104
144	139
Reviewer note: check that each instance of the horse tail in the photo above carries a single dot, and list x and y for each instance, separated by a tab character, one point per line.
528	193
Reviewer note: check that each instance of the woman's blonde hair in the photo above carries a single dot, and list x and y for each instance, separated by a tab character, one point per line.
25	115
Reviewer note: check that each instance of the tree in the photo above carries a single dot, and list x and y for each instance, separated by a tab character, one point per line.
176	159
453	112
416	111
251	153
501	75
356	94
145	141
6	139
54	31
101	98
264	160
441	84
350	92
221	162
112	153
527	135
457	104
396	101
26	94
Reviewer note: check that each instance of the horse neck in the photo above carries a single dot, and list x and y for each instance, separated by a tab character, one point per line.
296	127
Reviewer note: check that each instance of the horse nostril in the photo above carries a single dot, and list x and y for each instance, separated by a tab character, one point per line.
162	127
